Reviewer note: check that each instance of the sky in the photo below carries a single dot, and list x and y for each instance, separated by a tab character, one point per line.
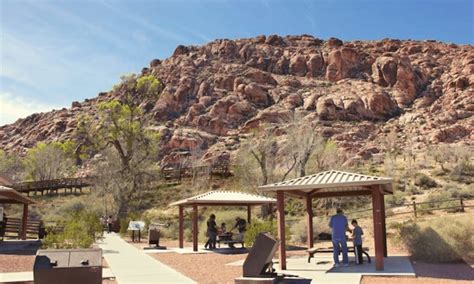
55	52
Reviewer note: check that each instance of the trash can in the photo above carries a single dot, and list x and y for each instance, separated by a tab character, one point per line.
72	266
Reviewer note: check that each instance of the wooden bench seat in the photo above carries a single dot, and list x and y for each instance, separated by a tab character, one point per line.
230	242
14	225
313	251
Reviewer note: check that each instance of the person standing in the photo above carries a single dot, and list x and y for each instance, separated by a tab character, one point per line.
211	232
357	233
110	222
339	226
241	226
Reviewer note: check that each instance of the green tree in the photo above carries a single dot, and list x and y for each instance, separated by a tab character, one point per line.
49	161
120	133
10	165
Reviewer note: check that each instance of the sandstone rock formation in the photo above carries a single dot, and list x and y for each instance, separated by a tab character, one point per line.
355	92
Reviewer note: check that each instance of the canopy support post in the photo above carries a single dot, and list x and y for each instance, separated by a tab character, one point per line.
309	221
24	222
181	227
281	228
384	227
377	201
249	213
195	228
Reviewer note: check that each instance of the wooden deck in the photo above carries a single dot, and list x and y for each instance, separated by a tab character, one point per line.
52	186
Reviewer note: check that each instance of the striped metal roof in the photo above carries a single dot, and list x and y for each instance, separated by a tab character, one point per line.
331	181
225	197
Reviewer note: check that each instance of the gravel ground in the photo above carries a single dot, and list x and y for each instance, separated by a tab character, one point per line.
16	263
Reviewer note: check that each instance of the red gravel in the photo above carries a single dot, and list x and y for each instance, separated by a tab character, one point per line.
16	263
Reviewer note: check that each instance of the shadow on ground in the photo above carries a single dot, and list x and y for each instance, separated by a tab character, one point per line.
19	247
452	271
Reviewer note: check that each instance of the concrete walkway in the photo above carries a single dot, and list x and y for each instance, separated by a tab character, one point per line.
131	265
14	277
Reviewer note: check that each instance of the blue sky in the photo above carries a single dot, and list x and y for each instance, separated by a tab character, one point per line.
56	52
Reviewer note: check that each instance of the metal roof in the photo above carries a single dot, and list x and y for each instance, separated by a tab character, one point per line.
220	197
332	182
9	195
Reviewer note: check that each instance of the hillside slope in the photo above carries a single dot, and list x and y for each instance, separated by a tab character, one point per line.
356	92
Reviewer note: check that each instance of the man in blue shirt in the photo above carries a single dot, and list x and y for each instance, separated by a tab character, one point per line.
339	226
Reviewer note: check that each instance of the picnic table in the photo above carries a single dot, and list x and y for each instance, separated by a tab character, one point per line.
227	239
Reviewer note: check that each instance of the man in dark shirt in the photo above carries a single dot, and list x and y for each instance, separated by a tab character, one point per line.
241	226
211	232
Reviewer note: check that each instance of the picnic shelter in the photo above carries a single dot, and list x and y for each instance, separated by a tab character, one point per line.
11	196
334	184
216	198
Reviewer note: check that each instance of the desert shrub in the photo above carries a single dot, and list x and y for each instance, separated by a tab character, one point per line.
81	230
257	227
463	172
413	190
188	234
298	229
444	239
437	201
398	198
425	181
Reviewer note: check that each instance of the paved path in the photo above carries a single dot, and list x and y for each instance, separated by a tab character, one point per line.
131	265
12	277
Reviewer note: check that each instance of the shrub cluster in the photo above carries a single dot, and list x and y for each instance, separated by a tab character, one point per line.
81	230
444	239
425	181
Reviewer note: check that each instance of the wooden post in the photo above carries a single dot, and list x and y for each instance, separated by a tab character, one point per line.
270	208
414	209
281	228
462	204
24	222
384	227
181	227
309	221
195	228
249	213
378	231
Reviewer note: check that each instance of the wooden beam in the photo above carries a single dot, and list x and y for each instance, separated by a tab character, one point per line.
181	227
342	194
377	198
297	193
24	221
249	213
309	221
281	228
195	228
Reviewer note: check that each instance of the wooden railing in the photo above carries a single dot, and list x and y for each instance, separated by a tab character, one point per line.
52	185
14	226
416	207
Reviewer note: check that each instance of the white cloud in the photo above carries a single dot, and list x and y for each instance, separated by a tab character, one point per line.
13	107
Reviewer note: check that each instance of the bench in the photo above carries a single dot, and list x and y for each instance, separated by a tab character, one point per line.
230	243
227	239
313	251
13	228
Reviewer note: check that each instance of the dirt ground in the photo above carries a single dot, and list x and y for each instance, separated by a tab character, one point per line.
203	267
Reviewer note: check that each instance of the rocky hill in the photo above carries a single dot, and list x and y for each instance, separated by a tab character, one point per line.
356	92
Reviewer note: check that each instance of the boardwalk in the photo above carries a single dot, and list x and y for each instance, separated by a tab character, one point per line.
52	185
131	265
